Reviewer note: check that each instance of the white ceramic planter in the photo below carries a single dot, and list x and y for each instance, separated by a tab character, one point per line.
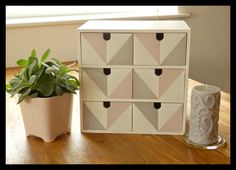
47	118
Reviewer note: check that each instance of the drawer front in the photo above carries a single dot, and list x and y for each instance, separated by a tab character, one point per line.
108	116
157	117
165	84
107	48
101	83
160	49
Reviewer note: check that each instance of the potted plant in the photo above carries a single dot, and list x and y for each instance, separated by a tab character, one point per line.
45	94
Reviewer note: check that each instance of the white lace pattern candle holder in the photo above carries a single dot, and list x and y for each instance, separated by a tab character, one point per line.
204	116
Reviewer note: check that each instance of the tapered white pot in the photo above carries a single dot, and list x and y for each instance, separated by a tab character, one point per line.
47	118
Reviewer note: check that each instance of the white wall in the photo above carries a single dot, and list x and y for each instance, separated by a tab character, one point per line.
210	45
60	38
209	54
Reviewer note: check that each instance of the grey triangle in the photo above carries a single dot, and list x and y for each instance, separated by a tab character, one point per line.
90	122
140	89
124	55
149	112
177	55
99	78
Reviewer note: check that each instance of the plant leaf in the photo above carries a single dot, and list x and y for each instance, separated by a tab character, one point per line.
33	53
73	77
32	79
57	61
59	90
63	70
46	65
31	59
8	87
45	85
32	67
72	83
54	62
22	62
17	89
14	81
51	70
70	87
22	73
21	98
39	72
45	55
34	95
23	95
60	80
46	89
35	80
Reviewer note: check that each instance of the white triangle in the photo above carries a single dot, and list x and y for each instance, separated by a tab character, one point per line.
165	112
141	55
123	123
140	122
150	79
168	44
98	111
89	55
90	90
115	43
116	77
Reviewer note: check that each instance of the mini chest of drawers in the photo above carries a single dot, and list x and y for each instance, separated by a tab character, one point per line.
134	76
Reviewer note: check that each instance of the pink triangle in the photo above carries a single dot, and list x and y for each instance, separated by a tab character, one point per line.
98	44
167	78
174	124
124	89
115	111
151	45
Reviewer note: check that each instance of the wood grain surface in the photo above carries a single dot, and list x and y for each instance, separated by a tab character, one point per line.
77	148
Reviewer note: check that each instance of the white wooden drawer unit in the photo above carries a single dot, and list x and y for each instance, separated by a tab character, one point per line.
134	76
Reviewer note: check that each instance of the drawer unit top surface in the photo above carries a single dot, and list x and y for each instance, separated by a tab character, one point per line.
134	26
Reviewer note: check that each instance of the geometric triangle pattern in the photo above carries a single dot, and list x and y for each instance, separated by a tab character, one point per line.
136	83
150	51
94	83
145	84
98	85
146	49
175	57
173	47
133	83
90	121
116	51
170	117
149	115
147	119
119	49
119	116
120	84
116	117
169	81
93	48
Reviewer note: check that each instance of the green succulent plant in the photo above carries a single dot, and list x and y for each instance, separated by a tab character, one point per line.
42	78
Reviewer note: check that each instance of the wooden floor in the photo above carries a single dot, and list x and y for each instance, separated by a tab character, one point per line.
77	148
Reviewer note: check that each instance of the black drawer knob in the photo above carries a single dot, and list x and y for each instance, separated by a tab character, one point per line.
159	36
107	71
158	72
106	36
157	105
106	104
